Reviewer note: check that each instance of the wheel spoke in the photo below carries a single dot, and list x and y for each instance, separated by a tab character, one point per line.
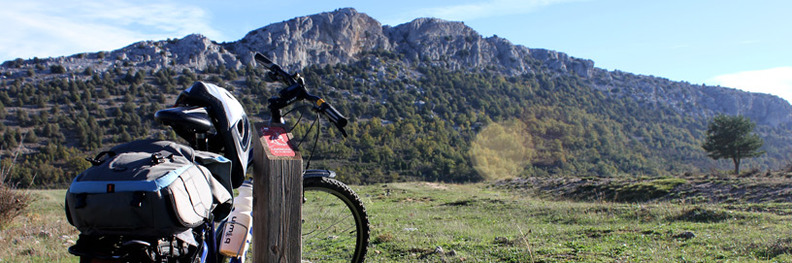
333	217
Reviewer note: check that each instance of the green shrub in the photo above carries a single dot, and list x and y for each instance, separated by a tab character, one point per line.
644	191
705	215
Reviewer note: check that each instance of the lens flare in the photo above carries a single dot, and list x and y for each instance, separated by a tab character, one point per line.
502	150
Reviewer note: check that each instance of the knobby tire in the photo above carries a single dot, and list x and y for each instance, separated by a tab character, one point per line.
354	205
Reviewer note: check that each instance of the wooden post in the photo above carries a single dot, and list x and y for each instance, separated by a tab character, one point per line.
277	197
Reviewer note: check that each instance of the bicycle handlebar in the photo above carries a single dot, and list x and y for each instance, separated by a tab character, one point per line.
279	73
294	91
332	115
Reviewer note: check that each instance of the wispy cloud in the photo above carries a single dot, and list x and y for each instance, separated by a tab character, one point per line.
56	28
481	9
776	81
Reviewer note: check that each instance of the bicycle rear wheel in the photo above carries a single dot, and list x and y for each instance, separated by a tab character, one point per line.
335	225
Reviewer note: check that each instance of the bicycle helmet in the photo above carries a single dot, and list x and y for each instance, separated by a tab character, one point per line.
234	131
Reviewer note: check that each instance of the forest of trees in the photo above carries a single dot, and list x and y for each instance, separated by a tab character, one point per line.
407	122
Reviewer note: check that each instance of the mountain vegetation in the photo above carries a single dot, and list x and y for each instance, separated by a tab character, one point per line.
428	100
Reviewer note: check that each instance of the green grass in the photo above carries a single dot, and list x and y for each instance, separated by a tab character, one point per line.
427	222
479	223
41	234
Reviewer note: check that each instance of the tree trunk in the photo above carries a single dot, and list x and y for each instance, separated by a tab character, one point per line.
736	165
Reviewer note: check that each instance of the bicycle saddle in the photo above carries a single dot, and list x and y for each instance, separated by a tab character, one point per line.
191	119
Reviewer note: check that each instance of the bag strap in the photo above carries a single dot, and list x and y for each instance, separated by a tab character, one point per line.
157	158
98	159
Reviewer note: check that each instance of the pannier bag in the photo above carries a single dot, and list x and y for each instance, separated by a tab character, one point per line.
146	188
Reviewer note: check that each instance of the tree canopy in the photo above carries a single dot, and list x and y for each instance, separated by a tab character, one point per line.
732	137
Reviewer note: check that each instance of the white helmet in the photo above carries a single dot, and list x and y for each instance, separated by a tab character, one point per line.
234	132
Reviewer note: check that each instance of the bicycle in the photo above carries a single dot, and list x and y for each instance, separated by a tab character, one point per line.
334	220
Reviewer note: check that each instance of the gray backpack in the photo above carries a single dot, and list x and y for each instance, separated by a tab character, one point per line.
148	188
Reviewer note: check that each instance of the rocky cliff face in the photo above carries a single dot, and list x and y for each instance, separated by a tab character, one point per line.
339	36
343	35
694	100
326	38
193	51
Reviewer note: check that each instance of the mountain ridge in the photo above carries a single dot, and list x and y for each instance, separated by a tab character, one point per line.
342	35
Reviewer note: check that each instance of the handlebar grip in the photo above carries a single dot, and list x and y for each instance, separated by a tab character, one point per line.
333	115
263	60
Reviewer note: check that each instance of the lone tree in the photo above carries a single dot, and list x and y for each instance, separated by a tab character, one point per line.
732	137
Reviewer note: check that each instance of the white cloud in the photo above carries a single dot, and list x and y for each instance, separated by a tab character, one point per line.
56	28
470	11
776	81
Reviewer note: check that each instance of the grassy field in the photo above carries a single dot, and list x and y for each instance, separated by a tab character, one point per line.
41	234
414	222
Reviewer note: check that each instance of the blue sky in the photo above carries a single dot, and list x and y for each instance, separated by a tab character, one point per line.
741	44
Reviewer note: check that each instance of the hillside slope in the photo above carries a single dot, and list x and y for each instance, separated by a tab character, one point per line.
420	94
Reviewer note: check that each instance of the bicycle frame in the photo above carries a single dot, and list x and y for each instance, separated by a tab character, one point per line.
211	249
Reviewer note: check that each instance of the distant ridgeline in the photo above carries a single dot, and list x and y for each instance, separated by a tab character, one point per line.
429	100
